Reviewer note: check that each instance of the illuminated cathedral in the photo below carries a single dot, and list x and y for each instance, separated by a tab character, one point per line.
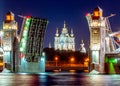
64	41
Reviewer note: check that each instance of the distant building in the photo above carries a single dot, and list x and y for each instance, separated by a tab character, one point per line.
82	48
64	41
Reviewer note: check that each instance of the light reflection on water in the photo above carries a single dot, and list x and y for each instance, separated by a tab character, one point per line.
63	79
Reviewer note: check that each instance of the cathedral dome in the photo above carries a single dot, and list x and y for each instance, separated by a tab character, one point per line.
64	41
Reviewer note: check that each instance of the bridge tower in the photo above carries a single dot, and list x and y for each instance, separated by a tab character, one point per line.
10	27
97	28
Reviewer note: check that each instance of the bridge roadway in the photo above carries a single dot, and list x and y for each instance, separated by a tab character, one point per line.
52	68
111	55
66	67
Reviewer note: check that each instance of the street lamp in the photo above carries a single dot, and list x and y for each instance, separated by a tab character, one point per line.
86	63
56	59
72	59
87	59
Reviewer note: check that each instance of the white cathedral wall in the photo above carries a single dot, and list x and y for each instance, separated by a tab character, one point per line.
65	47
69	43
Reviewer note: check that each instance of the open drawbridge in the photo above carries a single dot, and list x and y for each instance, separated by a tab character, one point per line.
112	38
112	50
112	58
116	41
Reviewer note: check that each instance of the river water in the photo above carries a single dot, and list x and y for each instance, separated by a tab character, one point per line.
58	79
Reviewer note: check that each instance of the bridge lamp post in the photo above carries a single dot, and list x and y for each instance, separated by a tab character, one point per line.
86	61
56	59
72	59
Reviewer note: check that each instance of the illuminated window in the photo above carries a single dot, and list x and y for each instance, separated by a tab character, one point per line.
95	31
96	13
95	36
95	57
100	13
8	17
12	17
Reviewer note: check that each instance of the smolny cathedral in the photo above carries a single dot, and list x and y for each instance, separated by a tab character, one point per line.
66	41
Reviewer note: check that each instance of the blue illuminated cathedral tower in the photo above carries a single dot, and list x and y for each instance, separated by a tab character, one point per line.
64	41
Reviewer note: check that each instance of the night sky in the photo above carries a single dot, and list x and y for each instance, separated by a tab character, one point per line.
58	11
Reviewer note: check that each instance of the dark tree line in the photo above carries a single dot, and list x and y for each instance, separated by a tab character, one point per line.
64	56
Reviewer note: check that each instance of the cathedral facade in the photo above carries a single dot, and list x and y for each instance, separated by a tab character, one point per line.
64	41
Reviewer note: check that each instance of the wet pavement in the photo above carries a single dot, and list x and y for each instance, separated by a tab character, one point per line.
58	79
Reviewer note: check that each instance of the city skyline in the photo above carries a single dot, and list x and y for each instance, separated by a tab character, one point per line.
59	11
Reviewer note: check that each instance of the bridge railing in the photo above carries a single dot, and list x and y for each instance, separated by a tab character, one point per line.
63	64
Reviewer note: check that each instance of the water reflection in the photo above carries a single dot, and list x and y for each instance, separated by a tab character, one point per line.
63	79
